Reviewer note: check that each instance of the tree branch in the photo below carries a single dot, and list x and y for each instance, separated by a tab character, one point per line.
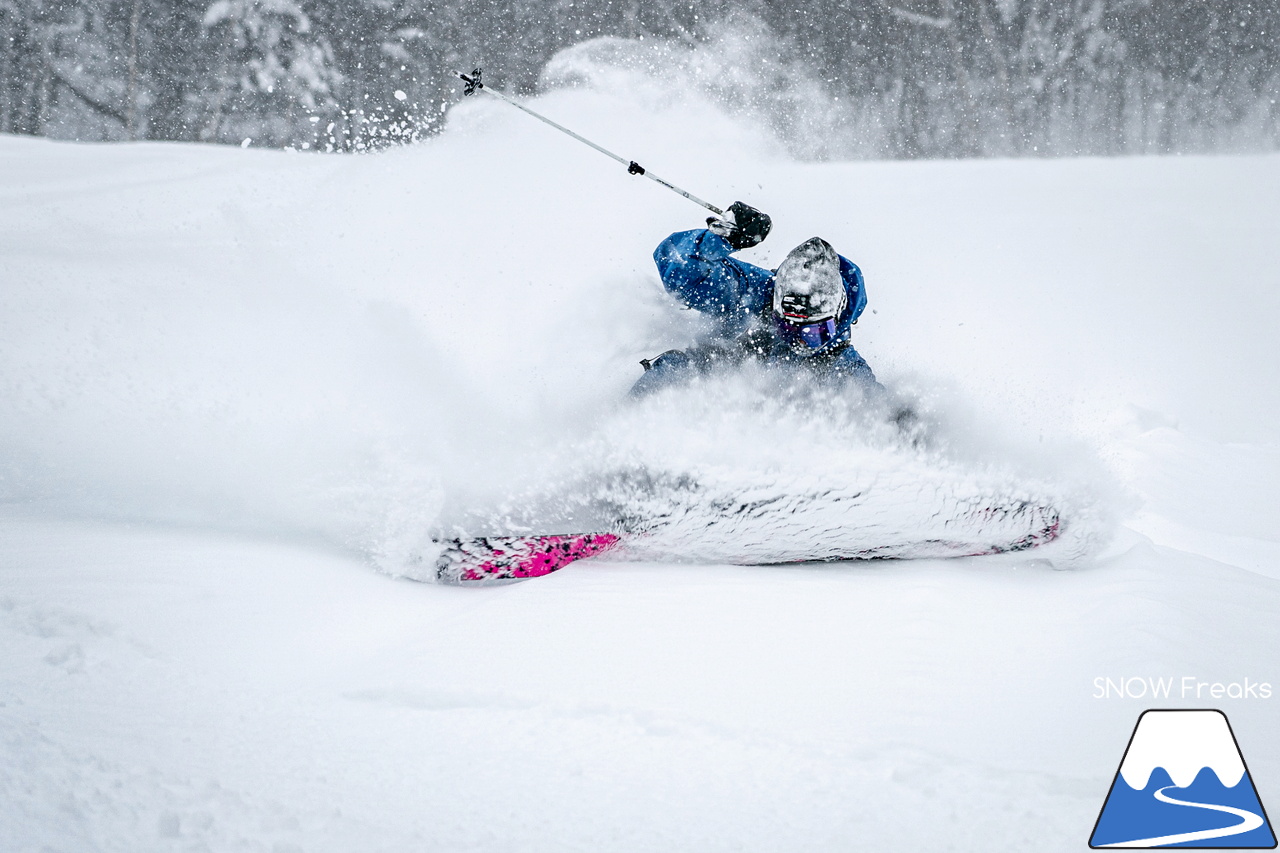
93	103
916	17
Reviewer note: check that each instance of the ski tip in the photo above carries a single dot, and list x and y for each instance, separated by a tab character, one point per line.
496	560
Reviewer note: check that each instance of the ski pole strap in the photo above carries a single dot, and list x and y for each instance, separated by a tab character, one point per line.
474	84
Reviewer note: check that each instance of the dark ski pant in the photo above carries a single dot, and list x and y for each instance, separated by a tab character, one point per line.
676	366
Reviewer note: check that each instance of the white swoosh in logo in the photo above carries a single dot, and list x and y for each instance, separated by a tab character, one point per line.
1249	821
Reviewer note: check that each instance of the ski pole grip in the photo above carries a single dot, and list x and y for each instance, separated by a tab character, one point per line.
473	82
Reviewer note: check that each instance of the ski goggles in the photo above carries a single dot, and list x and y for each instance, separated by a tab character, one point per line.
814	335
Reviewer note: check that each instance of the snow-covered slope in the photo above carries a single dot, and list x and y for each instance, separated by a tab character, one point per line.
240	388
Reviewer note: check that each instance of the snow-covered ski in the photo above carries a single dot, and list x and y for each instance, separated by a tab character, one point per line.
487	560
490	560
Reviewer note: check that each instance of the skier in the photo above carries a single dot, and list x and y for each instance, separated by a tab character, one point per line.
798	314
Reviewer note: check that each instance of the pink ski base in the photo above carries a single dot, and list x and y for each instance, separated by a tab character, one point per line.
496	559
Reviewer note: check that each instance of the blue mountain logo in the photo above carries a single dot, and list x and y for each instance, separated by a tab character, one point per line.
1183	783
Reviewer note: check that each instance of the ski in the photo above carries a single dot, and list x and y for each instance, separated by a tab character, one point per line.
492	560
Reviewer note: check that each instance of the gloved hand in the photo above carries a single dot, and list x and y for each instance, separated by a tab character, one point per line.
742	225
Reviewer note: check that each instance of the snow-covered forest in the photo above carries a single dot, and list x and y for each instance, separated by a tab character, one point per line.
839	78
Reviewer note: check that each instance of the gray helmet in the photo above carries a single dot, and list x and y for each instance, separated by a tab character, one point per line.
808	287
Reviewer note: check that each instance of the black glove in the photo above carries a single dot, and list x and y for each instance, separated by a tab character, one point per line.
742	225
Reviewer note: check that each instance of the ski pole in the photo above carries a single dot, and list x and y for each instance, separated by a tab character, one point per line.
634	168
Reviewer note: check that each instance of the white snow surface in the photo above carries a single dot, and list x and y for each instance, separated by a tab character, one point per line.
239	390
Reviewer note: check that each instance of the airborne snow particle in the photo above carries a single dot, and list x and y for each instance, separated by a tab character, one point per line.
400	95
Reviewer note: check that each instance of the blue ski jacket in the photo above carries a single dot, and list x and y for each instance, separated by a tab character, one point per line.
697	267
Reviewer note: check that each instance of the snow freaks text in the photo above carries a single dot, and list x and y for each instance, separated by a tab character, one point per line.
1186	687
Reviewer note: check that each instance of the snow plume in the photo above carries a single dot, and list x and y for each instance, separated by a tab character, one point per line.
743	69
764	464
885	82
369	351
